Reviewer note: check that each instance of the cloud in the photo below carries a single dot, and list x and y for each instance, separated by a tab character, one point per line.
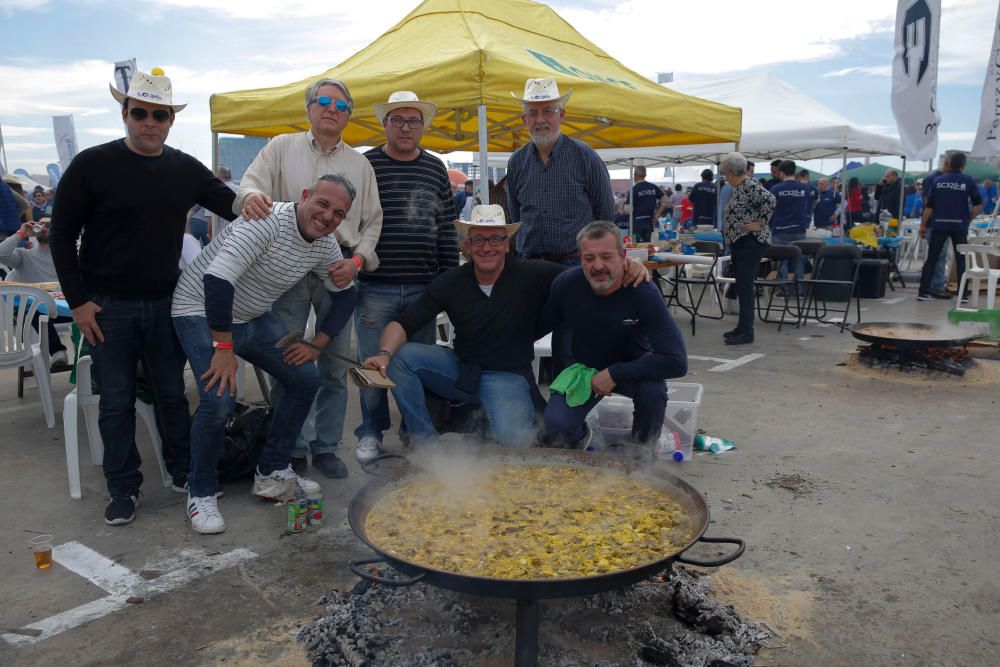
7	6
23	130
23	146
878	70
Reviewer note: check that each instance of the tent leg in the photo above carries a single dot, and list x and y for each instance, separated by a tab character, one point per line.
484	150
843	192
631	208
215	152
902	190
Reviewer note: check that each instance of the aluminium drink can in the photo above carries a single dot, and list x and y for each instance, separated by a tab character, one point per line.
296	522
315	512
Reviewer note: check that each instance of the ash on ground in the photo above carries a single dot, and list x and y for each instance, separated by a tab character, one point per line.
669	620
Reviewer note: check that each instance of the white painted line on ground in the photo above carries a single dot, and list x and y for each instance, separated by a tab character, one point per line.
97	569
715	359
745	359
890	302
120	582
806	338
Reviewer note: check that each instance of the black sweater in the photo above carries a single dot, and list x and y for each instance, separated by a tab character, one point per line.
132	211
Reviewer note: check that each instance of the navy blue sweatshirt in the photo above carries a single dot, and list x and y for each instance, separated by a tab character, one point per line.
629	332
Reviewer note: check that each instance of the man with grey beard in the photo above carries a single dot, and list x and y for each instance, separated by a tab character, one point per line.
555	186
625	339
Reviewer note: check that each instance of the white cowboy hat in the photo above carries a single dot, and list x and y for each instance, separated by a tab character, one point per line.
487	216
542	90
402	99
153	88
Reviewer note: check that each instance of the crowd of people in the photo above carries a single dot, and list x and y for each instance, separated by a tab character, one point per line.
370	243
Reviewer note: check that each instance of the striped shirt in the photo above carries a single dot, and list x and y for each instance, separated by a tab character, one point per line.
418	239
261	259
554	201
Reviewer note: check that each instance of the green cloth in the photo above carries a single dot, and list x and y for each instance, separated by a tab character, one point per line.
574	382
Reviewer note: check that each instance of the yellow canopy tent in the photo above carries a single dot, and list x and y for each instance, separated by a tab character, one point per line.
467	56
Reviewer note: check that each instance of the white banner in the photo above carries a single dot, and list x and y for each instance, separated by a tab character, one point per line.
987	142
914	76
65	139
124	69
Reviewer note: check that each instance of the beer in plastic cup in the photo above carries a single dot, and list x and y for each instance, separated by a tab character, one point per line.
41	547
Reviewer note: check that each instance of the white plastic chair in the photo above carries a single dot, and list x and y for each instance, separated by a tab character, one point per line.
911	247
84	398
20	345
977	269
543	348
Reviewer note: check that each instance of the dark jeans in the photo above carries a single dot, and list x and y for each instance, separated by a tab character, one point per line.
643	228
55	344
938	237
139	330
746	256
565	425
255	342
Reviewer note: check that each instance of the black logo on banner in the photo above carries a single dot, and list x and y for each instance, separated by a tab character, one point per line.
916	33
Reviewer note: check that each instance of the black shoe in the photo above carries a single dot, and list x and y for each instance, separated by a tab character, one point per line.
330	465
942	295
740	339
730	334
121	509
299	465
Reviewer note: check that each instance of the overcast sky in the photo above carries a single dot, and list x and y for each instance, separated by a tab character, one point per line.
56	57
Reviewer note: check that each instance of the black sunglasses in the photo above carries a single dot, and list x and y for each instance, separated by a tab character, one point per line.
159	115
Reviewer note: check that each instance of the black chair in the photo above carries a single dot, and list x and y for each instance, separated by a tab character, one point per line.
778	253
705	277
835	278
809	248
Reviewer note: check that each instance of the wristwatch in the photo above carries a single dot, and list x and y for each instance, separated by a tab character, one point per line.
384	353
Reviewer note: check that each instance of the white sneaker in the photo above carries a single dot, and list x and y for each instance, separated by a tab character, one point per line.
368	448
284	485
204	515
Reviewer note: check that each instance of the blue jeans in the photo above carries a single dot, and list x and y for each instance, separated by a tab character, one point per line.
139	330
255	342
785	237
379	304
506	397
643	228
566	425
939	278
324	427
199	230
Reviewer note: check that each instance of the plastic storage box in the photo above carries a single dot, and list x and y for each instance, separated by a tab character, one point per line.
614	415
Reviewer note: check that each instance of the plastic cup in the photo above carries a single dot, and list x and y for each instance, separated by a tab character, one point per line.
41	547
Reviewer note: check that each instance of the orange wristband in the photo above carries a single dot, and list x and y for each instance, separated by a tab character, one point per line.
223	346
357	261
22	234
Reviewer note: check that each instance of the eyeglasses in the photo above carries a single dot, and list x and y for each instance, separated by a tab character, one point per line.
159	115
494	241
412	123
339	105
545	113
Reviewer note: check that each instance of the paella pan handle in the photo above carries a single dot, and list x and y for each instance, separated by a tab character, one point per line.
722	561
364	574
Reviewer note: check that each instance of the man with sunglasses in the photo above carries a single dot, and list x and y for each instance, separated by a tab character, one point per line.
130	198
418	243
287	165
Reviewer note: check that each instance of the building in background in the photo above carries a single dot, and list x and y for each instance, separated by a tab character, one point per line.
238	152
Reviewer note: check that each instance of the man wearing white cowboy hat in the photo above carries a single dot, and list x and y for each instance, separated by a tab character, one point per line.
418	242
555	184
286	166
494	303
130	198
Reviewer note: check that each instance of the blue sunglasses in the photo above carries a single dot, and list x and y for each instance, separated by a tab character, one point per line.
339	105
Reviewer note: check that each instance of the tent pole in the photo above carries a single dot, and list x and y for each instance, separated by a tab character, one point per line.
902	190
843	191
484	149
215	152
718	198
631	207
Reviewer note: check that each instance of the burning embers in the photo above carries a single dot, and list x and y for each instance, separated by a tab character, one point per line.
661	621
953	360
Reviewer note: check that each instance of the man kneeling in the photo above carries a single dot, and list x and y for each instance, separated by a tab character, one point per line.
221	308
624	341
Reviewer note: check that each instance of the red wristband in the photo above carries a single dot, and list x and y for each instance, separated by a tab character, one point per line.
223	346
357	261
22	234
